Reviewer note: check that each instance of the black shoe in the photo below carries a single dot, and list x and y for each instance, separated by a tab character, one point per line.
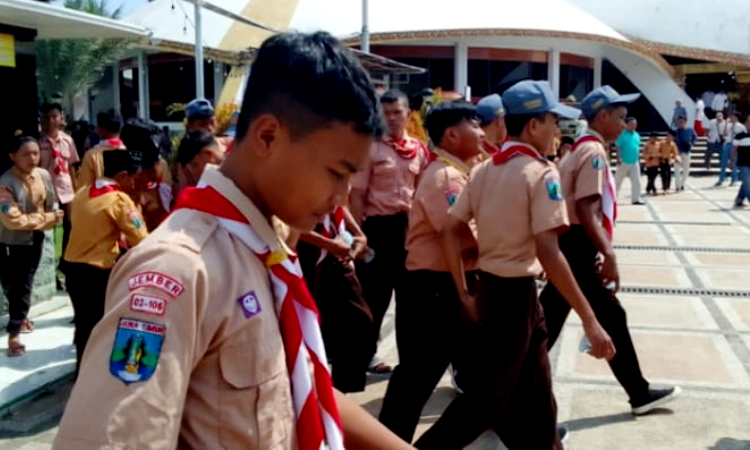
564	434
638	203
653	399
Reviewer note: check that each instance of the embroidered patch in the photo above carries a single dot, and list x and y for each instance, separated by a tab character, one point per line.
136	350
598	163
451	194
249	304
553	189
148	304
136	219
158	281
6	207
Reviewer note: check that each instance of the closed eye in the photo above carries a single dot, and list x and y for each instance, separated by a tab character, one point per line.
337	175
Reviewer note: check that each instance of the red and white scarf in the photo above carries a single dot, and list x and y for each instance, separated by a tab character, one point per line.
318	423
406	148
103	186
61	164
609	197
511	149
333	225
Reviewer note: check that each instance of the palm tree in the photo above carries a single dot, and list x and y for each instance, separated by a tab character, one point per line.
66	67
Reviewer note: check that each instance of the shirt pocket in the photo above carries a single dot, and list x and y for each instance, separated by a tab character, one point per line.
255	404
384	175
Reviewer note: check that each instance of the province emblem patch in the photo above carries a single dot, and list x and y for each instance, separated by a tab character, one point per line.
451	194
553	189
136	350
598	163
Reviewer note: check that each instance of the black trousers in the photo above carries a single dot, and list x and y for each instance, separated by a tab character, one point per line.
61	265
651	173
18	264
506	374
429	331
581	255
665	169
346	321
87	286
384	274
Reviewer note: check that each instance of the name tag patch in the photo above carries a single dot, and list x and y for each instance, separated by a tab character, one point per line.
157	281
136	350
249	304
148	304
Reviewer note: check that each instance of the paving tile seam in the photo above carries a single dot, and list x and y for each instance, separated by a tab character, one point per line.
693	292
736	344
680	248
722	207
675	330
673	222
687	387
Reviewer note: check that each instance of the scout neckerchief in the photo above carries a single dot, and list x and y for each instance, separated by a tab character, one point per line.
511	149
406	148
318	420
490	147
103	186
609	197
61	164
440	155
333	226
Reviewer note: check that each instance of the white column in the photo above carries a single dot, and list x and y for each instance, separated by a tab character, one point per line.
199	83
218	80
553	71
142	85
460	67
116	88
597	72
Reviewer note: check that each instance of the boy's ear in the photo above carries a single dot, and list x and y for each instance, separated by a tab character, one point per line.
265	131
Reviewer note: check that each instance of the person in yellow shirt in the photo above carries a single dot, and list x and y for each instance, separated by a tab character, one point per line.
101	214
651	153
668	156
92	166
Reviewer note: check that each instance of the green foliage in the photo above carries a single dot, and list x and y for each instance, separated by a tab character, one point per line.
66	67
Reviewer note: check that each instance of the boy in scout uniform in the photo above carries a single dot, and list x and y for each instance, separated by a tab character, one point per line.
507	379
427	325
102	213
381	197
92	166
651	155
492	116
591	200
668	157
192	352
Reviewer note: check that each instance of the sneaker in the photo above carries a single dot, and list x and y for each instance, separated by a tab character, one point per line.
638	202
738	205
564	434
718	183
653	399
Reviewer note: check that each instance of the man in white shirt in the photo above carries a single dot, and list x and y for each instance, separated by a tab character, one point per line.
719	103
732	129
717	128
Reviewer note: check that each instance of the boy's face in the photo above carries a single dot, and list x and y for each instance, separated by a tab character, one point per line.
464	139
396	114
542	132
27	157
127	181
301	180
53	120
614	122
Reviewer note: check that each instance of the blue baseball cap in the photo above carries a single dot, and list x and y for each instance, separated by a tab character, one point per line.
603	97
198	109
490	107
535	97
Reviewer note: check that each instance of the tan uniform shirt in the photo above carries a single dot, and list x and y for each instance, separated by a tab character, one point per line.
29	212
511	203
669	153
651	154
179	360
583	174
59	170
92	166
438	188
388	179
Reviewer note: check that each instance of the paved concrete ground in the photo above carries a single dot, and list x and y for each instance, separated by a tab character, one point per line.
684	264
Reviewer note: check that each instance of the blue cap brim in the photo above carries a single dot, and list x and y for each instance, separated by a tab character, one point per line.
565	111
627	98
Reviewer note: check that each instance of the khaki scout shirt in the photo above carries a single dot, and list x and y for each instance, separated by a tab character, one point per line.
92	166
583	174
189	353
511	203
388	179
27	205
439	186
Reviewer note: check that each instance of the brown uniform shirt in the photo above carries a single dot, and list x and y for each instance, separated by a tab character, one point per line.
388	179
651	154
511	203
29	213
92	166
209	371
438	188
583	174
668	152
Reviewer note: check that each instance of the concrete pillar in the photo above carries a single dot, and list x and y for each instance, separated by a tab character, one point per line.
460	67
597	72
143	99
116	88
553	71
218	80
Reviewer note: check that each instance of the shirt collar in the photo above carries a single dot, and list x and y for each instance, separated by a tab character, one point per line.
462	164
23	176
595	134
102	182
213	177
508	144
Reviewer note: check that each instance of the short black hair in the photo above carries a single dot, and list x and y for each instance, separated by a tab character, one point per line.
447	114
309	81
47	107
109	121
20	142
393	96
630	119
117	161
192	144
567	140
516	123
136	136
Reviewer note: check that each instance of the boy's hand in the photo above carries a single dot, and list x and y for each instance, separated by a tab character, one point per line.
469	306
359	247
610	273
601	344
59	214
341	250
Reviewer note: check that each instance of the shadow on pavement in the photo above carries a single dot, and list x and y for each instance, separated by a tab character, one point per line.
595	422
730	444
